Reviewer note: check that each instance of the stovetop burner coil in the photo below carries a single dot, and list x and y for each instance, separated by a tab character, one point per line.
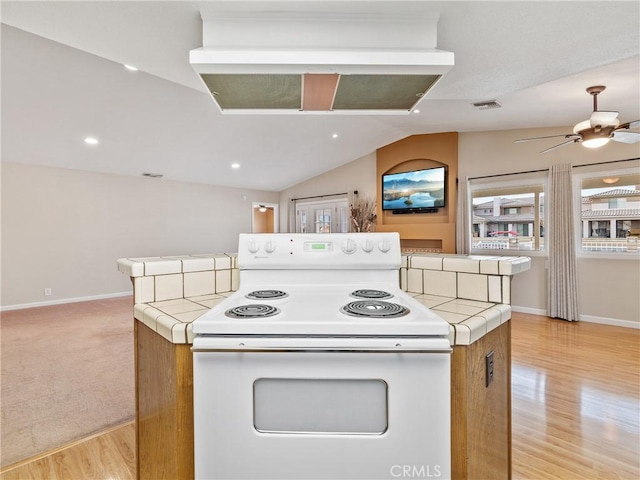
374	309
371	293
266	294
256	310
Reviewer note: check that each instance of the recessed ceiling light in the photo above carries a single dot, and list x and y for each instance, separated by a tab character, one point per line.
235	165
130	67
91	141
335	135
416	111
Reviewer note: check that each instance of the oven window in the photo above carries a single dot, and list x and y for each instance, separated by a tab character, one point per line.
320	406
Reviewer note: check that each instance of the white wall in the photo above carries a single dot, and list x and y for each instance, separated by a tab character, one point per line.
65	229
357	175
489	153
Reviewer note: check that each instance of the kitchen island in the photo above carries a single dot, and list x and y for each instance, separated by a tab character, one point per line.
471	292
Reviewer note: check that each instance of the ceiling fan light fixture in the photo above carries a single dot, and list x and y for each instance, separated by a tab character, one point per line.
596	132
595	142
584	125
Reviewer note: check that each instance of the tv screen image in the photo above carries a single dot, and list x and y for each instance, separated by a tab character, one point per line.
415	190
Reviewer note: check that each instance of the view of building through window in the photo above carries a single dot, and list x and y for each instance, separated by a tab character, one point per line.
509	220
610	219
513	217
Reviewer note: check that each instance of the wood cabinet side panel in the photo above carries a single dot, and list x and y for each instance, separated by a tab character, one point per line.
481	414
184	419
459	424
489	413
164	410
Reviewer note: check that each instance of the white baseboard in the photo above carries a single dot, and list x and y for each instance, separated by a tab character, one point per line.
610	321
6	308
616	322
532	311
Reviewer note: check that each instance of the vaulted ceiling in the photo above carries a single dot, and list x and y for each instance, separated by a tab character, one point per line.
63	80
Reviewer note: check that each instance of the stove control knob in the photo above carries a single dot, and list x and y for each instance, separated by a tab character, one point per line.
384	246
349	246
269	247
253	246
367	246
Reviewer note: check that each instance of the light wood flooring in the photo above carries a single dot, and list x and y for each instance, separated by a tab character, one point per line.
576	411
575	400
109	455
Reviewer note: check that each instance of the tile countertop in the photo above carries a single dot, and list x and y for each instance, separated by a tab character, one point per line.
480	264
148	266
169	312
469	319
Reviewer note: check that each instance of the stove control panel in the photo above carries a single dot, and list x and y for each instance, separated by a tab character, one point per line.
306	251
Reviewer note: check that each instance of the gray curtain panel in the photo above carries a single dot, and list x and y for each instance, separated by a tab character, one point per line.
463	218
562	295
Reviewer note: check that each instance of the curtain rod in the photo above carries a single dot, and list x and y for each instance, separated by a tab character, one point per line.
604	163
320	196
546	169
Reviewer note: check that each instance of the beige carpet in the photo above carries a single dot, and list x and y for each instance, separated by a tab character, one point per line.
67	371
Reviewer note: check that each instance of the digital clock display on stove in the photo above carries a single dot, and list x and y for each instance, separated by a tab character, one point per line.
318	246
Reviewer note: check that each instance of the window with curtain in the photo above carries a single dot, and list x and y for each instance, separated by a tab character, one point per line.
609	212
507	214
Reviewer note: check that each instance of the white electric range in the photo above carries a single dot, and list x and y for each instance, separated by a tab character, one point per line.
320	366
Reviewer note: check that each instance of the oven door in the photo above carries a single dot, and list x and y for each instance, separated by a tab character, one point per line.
309	408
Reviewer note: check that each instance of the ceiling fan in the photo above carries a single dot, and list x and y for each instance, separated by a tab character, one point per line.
598	130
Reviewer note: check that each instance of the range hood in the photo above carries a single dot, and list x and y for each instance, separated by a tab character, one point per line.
319	62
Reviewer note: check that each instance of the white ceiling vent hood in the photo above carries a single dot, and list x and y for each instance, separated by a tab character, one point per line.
319	61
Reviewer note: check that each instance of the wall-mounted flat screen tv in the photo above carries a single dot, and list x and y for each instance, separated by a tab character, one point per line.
414	192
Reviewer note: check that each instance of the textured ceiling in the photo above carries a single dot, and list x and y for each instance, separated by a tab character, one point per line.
62	80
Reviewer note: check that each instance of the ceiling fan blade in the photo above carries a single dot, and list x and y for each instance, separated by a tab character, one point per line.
626	137
629	125
573	140
603	119
567	135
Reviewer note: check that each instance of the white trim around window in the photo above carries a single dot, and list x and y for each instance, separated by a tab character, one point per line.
497	235
600	233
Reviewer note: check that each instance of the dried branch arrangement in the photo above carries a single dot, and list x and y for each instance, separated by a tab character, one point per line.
363	213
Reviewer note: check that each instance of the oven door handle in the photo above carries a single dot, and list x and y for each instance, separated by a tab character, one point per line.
321	344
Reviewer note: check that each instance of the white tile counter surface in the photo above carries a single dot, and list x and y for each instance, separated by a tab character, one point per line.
473	293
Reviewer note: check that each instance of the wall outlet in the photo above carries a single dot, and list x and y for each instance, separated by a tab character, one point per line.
47	291
489	368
